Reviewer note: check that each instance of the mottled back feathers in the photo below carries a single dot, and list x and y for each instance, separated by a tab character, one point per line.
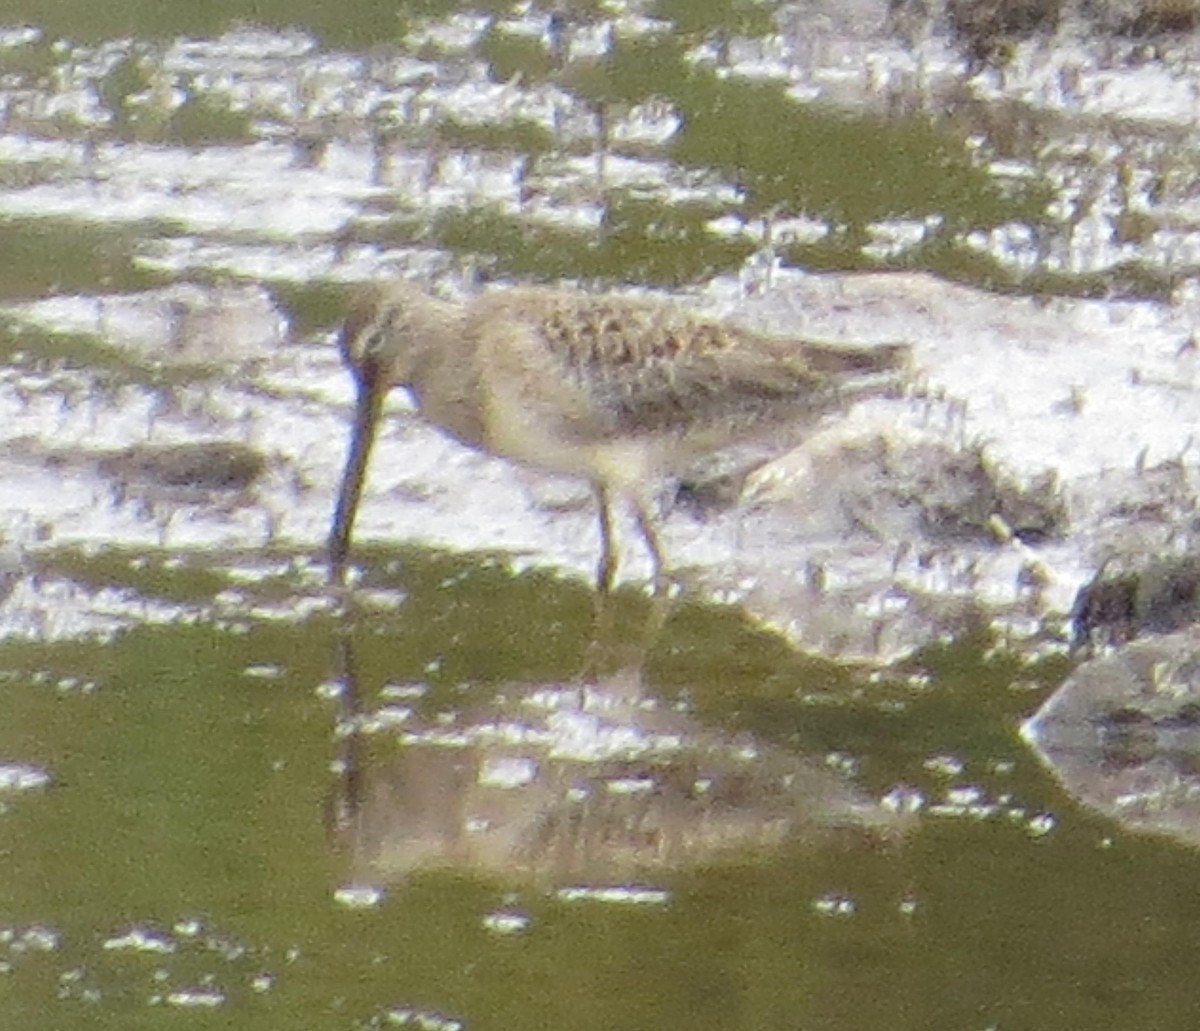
647	367
596	366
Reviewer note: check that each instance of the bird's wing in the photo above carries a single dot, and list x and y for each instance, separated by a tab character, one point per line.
648	367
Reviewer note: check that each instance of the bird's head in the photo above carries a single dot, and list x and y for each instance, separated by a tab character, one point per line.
390	328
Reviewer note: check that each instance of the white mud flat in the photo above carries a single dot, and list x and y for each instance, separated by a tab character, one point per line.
1038	441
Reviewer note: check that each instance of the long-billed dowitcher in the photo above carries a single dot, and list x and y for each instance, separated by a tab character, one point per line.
622	392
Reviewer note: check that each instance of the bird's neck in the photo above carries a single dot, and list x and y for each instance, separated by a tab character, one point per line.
444	374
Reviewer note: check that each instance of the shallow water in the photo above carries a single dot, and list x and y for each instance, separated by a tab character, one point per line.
186	854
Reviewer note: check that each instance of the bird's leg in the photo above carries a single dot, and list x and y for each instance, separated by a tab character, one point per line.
618	647
593	660
609	650
660	601
645	525
606	571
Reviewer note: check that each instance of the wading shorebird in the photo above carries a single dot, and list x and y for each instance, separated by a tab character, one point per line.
623	392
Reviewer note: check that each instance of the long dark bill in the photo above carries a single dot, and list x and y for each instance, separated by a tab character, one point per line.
368	408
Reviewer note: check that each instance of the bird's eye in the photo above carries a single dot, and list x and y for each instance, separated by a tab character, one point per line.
372	344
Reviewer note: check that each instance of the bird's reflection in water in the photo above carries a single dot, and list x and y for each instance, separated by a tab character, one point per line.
593	781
